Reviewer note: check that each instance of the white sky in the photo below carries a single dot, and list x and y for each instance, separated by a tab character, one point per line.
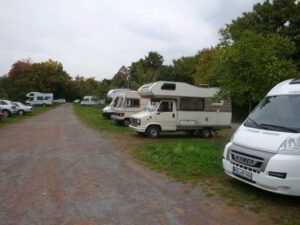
94	38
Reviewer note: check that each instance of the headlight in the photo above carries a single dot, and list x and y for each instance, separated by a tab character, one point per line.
291	145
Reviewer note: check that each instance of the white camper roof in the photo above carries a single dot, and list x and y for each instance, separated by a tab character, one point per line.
168	89
129	94
34	93
114	92
288	87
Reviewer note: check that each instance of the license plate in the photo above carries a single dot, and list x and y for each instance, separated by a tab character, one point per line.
242	173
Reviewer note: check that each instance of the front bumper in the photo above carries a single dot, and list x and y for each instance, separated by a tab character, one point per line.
278	163
138	129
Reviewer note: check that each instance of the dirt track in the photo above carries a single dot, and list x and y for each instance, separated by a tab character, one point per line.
55	170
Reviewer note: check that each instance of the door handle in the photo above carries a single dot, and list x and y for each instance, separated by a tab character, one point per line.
173	115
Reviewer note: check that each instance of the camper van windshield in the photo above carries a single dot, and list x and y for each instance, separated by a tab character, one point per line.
120	102
151	107
279	113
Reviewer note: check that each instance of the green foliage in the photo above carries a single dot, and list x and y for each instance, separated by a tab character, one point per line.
205	67
270	17
254	64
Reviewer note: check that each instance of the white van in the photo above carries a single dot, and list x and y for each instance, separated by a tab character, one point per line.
89	101
265	150
126	105
38	98
107	111
178	106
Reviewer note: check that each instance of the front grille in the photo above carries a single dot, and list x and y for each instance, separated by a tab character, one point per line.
246	161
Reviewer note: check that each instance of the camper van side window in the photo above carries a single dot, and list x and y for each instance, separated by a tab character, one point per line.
191	104
168	86
132	103
46	97
40	98
165	107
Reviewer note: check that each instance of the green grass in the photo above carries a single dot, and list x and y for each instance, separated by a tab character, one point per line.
197	161
92	115
36	110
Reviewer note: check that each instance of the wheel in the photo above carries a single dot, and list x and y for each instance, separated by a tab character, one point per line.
153	131
6	113
206	133
44	105
21	112
126	122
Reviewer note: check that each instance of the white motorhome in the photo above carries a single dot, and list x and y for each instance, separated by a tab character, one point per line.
89	101
38	98
126	105
107	111
265	150
178	106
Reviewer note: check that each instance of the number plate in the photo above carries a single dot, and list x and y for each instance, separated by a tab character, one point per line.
242	173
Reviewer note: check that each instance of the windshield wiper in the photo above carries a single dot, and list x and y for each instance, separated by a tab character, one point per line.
280	127
257	124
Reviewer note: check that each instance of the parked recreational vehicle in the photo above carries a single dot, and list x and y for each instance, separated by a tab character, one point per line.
89	100
177	106
37	98
107	111
265	150
127	104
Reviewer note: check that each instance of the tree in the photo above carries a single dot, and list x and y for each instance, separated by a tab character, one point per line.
253	65
153	60
184	68
271	17
205	67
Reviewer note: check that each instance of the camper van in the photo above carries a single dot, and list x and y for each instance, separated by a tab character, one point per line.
112	94
38	98
178	106
265	150
126	105
89	101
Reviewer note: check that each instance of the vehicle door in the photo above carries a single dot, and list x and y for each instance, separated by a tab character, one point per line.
166	115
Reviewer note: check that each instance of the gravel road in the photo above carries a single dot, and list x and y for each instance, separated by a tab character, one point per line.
55	170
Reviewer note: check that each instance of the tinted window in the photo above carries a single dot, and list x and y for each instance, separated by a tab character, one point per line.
3	103
46	97
166	107
191	104
40	98
168	86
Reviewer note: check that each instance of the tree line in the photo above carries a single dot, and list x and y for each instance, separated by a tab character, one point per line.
256	51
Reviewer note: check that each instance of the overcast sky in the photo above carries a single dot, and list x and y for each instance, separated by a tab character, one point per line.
94	38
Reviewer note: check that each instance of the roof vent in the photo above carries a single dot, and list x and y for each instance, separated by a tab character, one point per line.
295	81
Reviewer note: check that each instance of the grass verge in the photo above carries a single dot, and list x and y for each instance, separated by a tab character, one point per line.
92	116
197	161
36	110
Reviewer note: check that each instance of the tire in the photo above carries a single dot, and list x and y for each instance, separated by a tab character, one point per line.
6	113
126	122
44	105
153	131
206	133
21	112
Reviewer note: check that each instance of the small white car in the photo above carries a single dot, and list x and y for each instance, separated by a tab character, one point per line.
8	108
22	109
77	101
60	100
